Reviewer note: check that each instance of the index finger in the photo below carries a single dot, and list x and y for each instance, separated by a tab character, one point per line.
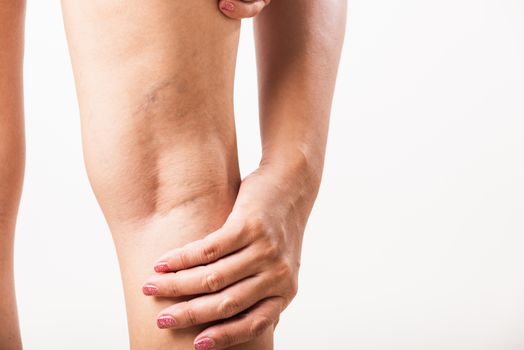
224	241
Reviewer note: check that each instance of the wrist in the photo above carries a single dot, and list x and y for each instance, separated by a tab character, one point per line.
297	164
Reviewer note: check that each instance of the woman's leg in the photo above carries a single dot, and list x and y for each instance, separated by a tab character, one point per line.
155	85
12	158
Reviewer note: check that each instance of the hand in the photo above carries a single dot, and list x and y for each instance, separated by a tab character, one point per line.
238	9
246	271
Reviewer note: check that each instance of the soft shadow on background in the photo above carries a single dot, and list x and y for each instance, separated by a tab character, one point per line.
417	236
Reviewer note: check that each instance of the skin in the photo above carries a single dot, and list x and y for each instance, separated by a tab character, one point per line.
149	204
246	272
12	160
155	87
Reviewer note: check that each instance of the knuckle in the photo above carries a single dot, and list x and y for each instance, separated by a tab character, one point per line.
284	270
271	251
229	307
213	282
234	222
210	252
287	279
190	315
183	256
293	290
256	225
228	338
258	326
173	288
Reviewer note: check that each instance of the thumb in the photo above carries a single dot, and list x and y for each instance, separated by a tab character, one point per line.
238	9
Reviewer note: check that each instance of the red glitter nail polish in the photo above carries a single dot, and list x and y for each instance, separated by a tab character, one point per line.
165	321
228	6
162	267
150	289
205	344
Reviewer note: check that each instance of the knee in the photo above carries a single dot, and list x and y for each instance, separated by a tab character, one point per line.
162	157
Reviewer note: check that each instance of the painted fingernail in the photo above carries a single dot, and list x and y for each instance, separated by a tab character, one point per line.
165	321
228	6
162	267
150	289
205	344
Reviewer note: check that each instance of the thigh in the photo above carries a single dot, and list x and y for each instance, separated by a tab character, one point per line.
154	81
155	85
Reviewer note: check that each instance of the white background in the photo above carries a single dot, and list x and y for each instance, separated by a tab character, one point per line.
417	237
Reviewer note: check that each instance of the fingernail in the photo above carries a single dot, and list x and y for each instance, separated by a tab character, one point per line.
205	344
150	289
162	267
165	322
227	5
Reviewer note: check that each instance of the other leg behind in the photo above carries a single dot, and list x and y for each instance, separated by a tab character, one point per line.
12	155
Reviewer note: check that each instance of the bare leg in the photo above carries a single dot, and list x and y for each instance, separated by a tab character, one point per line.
12	158
154	81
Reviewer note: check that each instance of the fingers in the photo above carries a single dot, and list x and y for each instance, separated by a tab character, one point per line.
205	279
217	306
238	9
242	328
214	246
